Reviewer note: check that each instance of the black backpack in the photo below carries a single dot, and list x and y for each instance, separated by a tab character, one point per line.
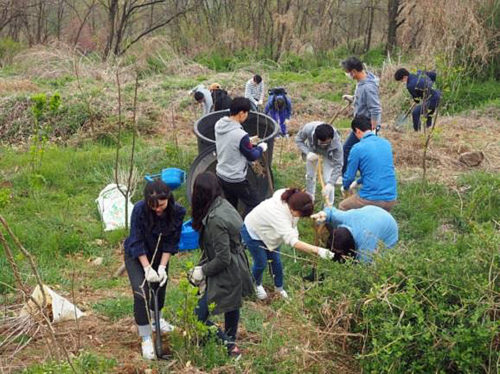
221	100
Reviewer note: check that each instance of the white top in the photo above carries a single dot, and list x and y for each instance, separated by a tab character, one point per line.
272	222
254	92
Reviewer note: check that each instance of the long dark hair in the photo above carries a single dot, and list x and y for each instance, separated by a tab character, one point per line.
154	191
298	200
206	189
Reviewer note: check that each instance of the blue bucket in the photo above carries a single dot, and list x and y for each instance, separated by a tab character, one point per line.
189	237
172	177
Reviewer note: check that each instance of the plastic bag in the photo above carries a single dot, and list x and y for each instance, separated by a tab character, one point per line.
111	206
59	308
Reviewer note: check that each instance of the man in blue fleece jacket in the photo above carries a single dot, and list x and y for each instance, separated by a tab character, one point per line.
372	156
359	232
234	151
366	100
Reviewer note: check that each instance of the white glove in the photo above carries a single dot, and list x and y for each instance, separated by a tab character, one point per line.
343	192
260	102
353	185
263	146
312	157
198	273
349	98
254	139
325	253
319	217
162	275
329	189
151	275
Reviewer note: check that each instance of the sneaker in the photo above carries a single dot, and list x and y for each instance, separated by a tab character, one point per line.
148	349
164	326
282	292
235	352
261	292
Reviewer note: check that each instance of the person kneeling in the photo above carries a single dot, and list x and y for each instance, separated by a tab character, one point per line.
357	232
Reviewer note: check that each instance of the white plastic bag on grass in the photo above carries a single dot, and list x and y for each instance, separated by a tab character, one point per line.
111	206
60	309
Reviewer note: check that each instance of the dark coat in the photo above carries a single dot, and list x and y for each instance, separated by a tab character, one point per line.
420	85
142	241
224	260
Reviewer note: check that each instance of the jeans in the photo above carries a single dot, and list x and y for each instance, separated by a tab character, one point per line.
311	169
231	320
261	256
239	191
427	110
135	273
348	144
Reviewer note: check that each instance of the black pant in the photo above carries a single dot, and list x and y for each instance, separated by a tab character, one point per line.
239	191
231	320
135	273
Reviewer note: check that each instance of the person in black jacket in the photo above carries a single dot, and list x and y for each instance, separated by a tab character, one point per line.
155	231
420	87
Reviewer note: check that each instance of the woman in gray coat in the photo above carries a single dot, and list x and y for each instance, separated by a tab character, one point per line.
223	262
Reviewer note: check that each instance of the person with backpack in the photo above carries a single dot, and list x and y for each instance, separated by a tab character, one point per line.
220	97
420	87
279	108
155	231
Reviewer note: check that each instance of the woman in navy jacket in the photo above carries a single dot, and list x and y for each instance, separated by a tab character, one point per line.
155	231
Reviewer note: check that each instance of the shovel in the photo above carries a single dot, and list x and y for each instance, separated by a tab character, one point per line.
158	346
402	118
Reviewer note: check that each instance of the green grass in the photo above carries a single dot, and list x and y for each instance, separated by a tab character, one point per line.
115	308
85	363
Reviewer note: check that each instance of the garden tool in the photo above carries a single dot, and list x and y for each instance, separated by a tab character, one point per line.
401	119
339	112
158	344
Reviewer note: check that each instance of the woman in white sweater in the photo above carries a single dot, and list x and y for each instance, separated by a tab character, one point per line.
272	223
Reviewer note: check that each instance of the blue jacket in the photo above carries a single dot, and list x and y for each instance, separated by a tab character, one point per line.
141	242
420	85
278	115
368	226
372	156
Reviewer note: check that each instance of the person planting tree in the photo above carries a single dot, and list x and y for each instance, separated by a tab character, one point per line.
358	232
155	231
419	86
318	139
271	224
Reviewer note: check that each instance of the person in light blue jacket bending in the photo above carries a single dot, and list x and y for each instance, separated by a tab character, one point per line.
359	233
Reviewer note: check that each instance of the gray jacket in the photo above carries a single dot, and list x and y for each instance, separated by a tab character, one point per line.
334	154
207	102
231	164
224	259
366	99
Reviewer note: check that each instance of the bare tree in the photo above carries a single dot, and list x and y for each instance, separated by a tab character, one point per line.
394	9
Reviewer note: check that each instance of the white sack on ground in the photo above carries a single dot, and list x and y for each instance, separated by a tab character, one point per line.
61	309
111	206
